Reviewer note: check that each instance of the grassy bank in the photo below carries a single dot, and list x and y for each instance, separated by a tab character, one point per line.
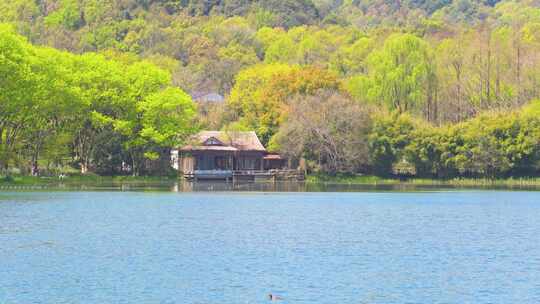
458	182
82	179
369	180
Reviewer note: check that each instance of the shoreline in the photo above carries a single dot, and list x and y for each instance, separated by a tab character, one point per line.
82	180
360	180
454	182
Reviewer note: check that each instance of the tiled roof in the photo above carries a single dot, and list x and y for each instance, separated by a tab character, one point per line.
233	141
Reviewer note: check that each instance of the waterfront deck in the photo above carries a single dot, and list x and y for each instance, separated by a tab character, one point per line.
245	175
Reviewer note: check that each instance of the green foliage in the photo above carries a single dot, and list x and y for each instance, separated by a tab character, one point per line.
438	63
57	105
281	51
18	12
166	117
68	15
399	74
388	138
261	95
243	101
491	145
260	18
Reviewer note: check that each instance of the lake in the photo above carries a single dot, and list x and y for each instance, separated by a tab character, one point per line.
373	246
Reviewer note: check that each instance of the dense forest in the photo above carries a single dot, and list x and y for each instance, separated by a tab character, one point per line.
436	88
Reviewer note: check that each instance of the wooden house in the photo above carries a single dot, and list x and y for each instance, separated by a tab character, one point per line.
219	155
274	161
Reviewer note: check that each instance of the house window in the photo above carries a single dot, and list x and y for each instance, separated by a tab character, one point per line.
247	163
221	163
212	141
199	163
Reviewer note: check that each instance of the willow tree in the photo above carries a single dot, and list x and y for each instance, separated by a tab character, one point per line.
402	75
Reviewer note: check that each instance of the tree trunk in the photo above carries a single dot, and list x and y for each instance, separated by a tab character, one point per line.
84	167
134	165
488	74
457	67
518	74
35	167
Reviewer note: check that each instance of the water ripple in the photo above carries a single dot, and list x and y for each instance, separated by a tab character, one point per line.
131	247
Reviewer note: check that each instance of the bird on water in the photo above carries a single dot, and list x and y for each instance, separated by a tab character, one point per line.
273	297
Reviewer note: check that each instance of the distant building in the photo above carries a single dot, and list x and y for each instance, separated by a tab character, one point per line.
217	154
205	97
274	161
231	155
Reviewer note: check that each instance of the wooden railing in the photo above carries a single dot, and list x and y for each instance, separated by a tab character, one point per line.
275	174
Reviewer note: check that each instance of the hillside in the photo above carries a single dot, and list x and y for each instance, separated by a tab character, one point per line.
439	62
205	43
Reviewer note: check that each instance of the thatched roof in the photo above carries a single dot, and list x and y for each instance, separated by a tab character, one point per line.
224	141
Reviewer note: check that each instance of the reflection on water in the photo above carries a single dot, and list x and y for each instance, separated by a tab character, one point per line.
219	186
202	186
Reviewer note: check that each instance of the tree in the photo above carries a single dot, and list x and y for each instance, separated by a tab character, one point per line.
261	95
57	104
167	118
68	15
283	50
246	93
451	74
17	82
388	138
332	139
401	74
139	104
290	13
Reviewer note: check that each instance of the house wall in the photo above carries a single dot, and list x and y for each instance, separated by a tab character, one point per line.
212	160
205	160
186	164
175	159
249	161
183	162
275	164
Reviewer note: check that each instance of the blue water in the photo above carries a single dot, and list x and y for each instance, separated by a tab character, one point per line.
204	248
